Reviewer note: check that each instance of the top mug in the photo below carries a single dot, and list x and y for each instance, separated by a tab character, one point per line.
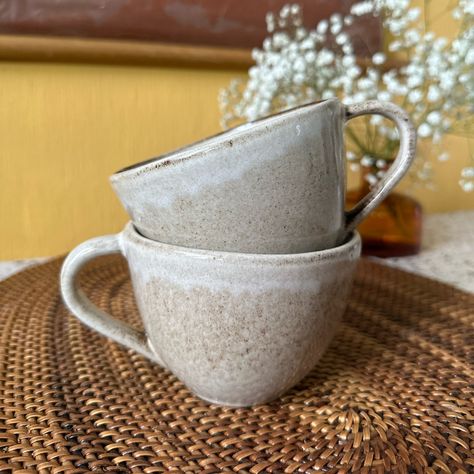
275	185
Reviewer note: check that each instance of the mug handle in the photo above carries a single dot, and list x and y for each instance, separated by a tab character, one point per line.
404	159
83	309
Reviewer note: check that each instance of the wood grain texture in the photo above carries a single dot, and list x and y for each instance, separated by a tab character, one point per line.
77	50
229	23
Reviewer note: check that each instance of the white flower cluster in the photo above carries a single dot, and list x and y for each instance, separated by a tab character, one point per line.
296	65
467	179
293	67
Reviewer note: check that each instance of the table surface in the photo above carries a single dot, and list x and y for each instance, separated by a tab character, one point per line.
447	252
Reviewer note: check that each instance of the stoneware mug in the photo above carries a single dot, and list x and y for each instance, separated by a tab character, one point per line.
237	328
276	185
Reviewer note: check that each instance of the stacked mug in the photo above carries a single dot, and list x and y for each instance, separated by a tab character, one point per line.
240	252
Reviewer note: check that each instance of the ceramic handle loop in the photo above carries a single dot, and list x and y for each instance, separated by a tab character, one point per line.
400	166
85	310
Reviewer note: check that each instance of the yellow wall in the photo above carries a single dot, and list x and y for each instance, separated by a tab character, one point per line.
65	128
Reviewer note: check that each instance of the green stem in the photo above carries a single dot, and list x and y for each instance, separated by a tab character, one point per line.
354	138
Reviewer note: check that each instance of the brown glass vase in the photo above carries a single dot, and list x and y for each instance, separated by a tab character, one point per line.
394	228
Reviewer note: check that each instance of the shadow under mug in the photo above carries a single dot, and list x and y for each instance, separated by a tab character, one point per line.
238	329
276	185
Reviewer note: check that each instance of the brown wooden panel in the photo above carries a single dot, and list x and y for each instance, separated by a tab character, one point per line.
106	51
230	23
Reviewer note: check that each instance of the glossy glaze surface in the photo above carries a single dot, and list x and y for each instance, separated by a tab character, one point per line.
237	329
272	186
276	185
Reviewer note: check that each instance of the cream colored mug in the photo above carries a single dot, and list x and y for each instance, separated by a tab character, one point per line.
276	185
236	328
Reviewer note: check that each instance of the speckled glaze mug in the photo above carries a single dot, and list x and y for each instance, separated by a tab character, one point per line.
238	329
276	185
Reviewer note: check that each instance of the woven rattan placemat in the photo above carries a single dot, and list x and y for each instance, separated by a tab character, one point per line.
394	393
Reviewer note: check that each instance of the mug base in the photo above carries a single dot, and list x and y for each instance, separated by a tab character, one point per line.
235	405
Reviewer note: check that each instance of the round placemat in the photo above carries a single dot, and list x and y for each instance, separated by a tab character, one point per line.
394	392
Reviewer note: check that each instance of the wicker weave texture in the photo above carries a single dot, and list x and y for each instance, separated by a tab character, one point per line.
393	394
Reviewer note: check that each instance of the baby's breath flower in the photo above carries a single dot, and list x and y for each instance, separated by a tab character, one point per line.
325	57
336	28
415	96
299	65
440	43
414	81
362	8
384	96
299	78
353	71
378	58
285	11
371	179
447	80
470	57
429	37
424	130
295	9
376	120
365	83
457	14
295	65
434	118
310	57
392	134
347	48
342	38
328	94
413	14
395	46
434	93
348	60
367	161
322	27
412	37
348	20
425	172
466	185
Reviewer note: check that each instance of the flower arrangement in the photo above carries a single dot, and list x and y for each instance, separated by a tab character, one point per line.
434	81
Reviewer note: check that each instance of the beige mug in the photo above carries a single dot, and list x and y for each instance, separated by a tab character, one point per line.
236	328
276	185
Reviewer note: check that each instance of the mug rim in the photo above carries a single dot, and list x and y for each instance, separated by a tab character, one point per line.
199	146
131	234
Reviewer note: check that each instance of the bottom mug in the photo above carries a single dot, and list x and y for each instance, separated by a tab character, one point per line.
237	329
